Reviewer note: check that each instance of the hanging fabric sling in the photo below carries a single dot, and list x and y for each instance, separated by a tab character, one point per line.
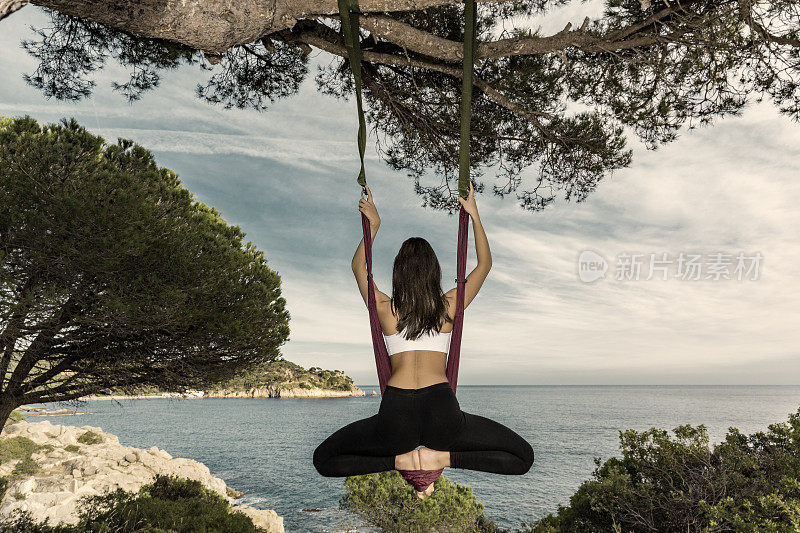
348	10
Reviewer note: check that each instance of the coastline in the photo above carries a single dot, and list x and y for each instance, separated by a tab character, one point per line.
257	392
72	462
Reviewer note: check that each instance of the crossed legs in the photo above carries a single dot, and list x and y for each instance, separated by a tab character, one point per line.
481	444
359	448
430	416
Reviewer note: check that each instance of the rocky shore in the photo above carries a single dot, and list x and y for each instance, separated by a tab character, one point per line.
79	461
268	391
277	379
46	411
280	392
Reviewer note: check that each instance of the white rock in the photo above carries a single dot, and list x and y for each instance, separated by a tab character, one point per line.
55	490
265	518
26	486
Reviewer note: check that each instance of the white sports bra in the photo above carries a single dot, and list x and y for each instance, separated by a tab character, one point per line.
433	341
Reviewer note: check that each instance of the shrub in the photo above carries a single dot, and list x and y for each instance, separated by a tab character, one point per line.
12	448
745	484
15	416
26	467
387	501
90	437
72	448
168	505
16	448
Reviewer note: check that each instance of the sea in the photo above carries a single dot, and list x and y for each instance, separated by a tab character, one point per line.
263	447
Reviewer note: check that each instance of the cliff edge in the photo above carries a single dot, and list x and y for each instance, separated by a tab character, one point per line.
64	463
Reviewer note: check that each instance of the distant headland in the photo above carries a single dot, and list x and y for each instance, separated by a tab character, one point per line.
278	379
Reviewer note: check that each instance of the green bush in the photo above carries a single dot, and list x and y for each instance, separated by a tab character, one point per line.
168	505
15	416
744	484
26	467
16	448
12	448
387	501
90	437
72	448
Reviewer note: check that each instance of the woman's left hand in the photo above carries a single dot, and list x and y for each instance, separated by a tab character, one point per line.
367	206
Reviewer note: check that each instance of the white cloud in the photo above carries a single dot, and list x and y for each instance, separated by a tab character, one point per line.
731	187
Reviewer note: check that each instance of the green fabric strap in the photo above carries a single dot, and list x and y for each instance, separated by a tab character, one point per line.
348	12
466	97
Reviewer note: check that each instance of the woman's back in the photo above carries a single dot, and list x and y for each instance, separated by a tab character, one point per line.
414	368
416	290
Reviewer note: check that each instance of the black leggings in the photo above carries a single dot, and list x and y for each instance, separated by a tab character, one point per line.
432	417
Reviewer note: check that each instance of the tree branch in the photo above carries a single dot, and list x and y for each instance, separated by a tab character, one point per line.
312	33
411	38
745	8
7	7
11	332
331	7
422	42
41	343
61	396
42	378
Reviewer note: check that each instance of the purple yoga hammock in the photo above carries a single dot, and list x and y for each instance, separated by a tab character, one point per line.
349	13
419	478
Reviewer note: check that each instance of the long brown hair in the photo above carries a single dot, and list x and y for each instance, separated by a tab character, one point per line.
417	294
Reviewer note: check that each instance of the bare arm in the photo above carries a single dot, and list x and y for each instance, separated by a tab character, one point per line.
359	263
475	278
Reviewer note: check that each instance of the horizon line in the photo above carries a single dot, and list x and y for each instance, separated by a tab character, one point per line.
620	385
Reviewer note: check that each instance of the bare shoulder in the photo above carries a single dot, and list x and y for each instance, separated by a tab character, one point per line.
382	299
386	314
384	304
451	302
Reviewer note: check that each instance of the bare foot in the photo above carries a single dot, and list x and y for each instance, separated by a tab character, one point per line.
427	492
407	461
433	459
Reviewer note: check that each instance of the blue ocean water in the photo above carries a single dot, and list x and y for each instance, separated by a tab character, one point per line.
263	447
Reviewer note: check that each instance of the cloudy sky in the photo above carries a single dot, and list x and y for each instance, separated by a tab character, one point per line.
287	178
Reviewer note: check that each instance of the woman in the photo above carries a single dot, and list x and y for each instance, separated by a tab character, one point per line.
418	406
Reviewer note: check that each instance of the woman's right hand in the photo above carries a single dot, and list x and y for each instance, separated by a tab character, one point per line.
469	204
367	206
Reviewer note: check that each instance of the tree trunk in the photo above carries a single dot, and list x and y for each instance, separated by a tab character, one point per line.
7	405
214	25
9	6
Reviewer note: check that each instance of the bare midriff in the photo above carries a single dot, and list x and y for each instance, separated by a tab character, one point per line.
417	368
